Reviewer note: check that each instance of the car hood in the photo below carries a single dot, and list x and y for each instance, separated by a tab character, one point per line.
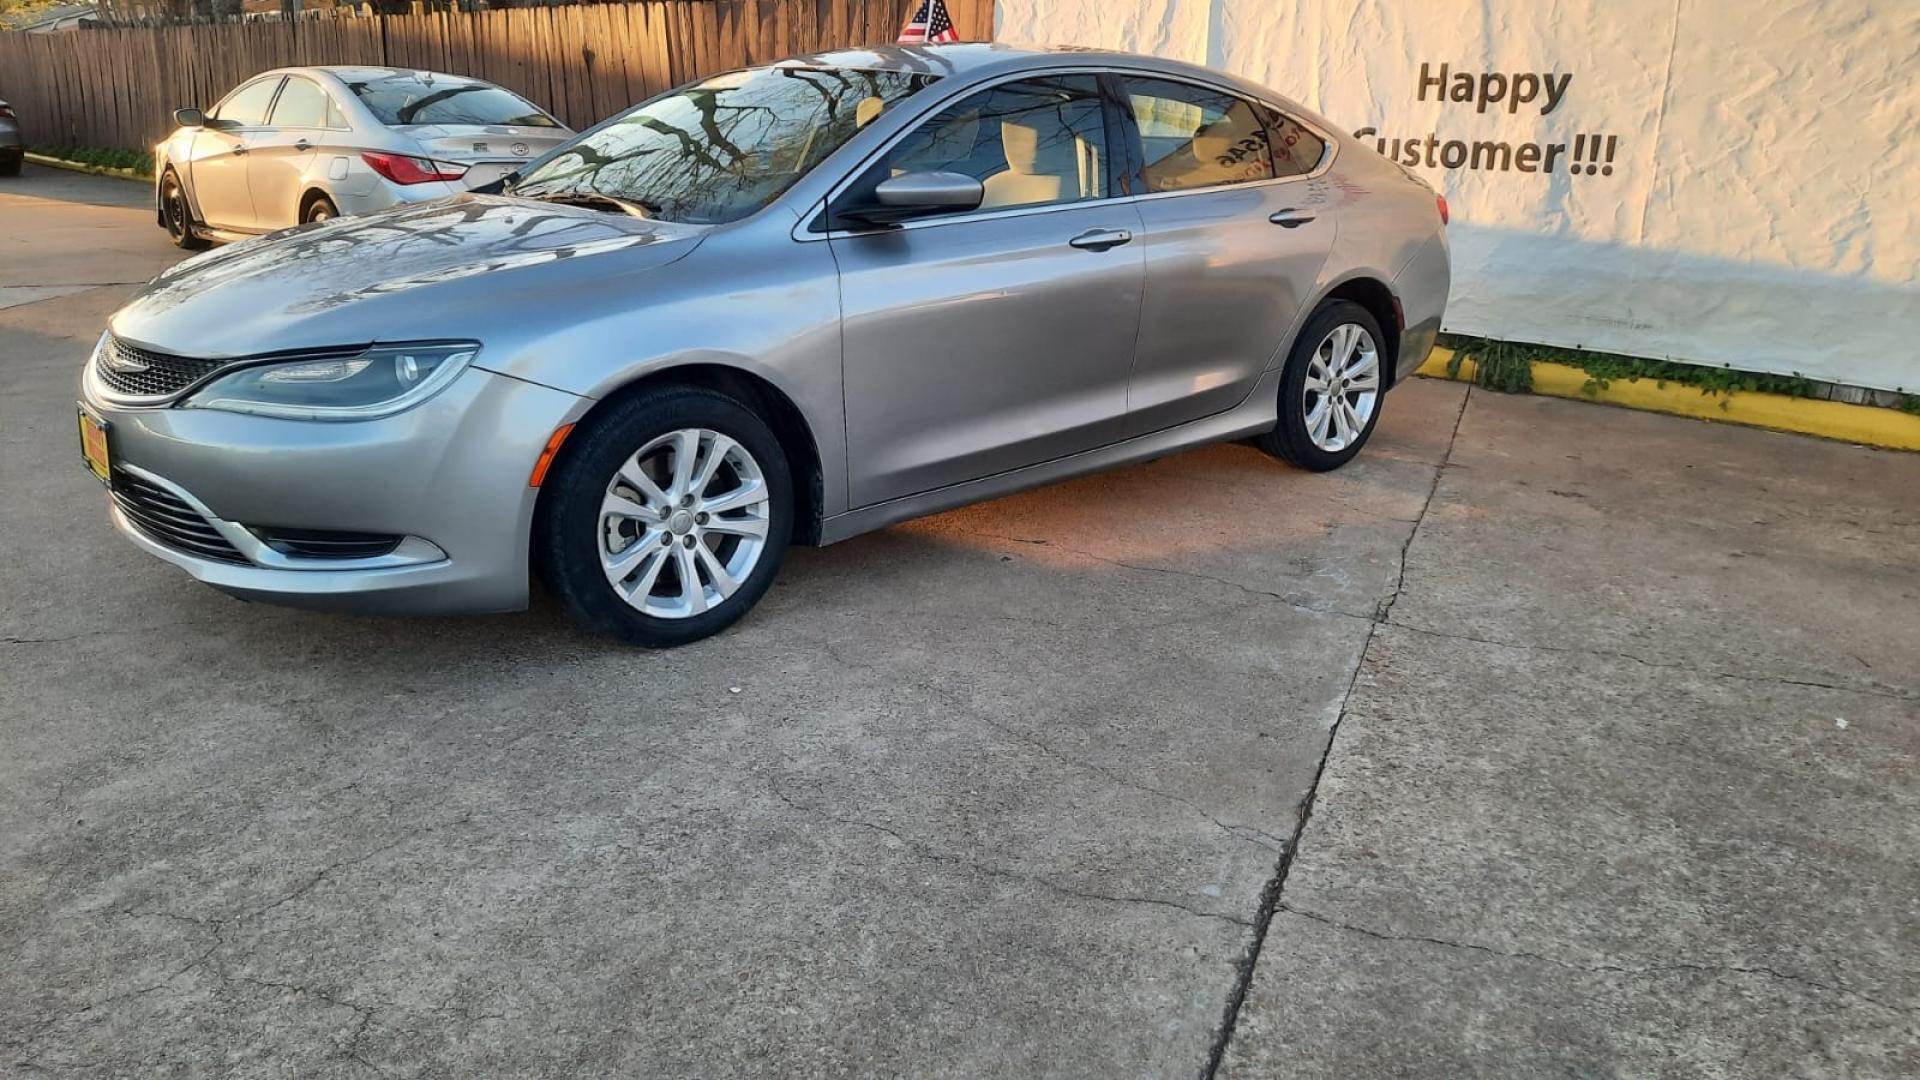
446	269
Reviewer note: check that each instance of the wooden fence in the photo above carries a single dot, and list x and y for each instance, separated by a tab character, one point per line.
118	88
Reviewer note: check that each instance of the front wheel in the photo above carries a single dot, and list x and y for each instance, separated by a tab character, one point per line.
1331	389
177	216
668	517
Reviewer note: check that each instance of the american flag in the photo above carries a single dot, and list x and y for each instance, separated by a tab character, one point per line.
928	25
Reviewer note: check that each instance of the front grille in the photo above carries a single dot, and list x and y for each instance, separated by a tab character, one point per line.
144	373
164	518
327	543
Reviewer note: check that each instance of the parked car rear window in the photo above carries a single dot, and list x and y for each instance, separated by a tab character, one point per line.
1029	143
247	106
425	98
301	105
1194	137
722	148
1296	151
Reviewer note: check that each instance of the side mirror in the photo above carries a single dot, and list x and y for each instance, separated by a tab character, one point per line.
920	194
189	118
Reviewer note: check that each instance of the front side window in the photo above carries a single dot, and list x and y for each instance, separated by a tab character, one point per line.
1193	137
247	106
720	149
409	97
1031	143
300	105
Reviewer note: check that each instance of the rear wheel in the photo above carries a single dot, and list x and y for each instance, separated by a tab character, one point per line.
1331	389
176	215
319	208
668	517
10	164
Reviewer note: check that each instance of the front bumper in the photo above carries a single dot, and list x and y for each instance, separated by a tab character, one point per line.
449	476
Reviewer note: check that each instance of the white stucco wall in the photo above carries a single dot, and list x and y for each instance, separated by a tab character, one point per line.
1761	208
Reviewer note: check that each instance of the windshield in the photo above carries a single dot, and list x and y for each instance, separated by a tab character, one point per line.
718	150
409	98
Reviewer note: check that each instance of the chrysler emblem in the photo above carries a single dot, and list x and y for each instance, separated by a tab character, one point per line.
124	364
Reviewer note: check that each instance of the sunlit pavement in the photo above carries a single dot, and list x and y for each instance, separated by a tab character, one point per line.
1623	779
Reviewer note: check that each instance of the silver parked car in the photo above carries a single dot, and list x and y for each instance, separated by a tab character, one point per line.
788	304
307	144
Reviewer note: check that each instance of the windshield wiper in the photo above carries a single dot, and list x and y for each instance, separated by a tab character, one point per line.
633	207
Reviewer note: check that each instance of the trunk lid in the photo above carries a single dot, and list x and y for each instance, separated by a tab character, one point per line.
490	151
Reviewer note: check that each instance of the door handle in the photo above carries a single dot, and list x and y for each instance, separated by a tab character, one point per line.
1100	239
239	148
302	144
1289	218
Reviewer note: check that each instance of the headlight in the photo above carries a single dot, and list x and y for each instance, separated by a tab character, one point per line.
378	382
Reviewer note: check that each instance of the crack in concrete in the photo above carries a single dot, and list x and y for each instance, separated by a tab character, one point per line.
1237	830
1878	689
1602	969
219	927
924	851
1270	896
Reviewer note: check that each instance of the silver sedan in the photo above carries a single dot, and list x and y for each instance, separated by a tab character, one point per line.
786	304
306	144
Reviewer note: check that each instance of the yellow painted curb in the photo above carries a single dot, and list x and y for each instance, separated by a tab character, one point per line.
80	166
1867	424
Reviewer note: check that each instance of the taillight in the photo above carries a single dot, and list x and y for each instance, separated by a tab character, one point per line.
6	112
1442	201
402	169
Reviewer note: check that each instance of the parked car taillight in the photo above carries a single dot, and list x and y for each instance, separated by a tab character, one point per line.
6	112
1442	201
402	169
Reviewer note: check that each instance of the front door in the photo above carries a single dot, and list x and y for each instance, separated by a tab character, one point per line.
1234	230
217	175
989	340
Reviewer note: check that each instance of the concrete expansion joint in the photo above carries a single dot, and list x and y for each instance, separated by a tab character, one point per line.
925	852
1270	896
1605	969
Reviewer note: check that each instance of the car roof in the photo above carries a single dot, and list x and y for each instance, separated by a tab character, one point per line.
353	72
973	59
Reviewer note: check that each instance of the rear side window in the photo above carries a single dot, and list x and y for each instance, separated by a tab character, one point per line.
247	106
1296	151
425	98
1031	143
1194	137
301	105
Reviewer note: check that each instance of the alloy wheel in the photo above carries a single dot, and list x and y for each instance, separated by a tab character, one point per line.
683	523
1342	387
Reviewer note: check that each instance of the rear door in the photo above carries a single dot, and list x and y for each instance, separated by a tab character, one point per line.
1234	236
985	341
281	154
217	173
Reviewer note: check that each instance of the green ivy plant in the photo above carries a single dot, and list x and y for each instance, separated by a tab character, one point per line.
1507	366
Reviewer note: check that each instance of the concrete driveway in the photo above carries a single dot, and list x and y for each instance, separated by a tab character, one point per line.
1545	739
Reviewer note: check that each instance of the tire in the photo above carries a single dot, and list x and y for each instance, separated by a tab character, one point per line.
319	209
1303	435
10	165
176	216
585	541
